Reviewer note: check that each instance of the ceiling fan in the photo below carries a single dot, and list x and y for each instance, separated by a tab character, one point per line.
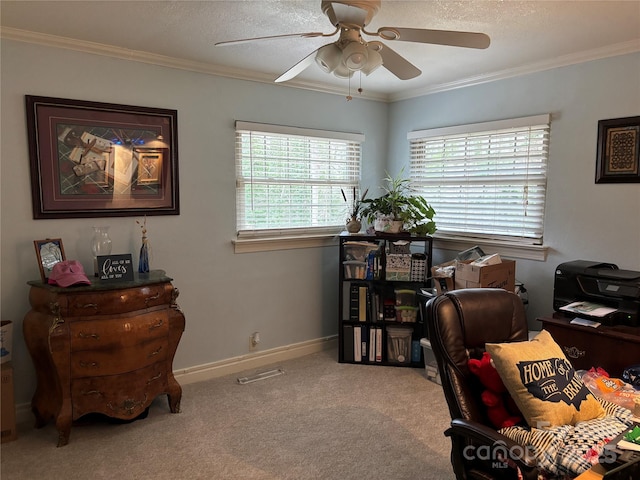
351	53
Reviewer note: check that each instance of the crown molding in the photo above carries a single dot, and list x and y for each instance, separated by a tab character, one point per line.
171	62
562	61
218	70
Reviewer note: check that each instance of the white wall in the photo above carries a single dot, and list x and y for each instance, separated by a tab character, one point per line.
288	296
583	220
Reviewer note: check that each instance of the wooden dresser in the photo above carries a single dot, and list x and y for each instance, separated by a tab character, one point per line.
611	347
103	348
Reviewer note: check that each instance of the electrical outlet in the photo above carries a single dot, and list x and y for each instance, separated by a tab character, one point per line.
254	340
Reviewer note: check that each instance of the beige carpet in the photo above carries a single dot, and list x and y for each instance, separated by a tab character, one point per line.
319	420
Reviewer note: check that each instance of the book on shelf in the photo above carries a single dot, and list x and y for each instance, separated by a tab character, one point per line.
378	344
363	295
372	344
347	344
357	343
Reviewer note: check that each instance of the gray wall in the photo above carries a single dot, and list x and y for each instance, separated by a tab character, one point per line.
582	220
290	296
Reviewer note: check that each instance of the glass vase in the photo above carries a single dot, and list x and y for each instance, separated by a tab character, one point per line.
100	245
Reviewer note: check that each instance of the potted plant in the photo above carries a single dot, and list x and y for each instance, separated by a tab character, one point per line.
353	222
399	210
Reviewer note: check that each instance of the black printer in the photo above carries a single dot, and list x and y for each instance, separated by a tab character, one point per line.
603	283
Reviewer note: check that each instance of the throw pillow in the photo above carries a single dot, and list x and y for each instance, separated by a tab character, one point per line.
542	382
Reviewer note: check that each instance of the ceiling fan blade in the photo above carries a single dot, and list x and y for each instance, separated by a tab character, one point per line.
439	37
273	37
298	68
397	65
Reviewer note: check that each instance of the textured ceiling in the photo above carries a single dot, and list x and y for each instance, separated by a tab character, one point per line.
525	35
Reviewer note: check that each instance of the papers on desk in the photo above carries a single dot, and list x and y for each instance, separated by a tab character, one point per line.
627	445
588	309
585	323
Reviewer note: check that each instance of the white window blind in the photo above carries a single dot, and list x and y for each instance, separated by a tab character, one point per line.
485	180
289	180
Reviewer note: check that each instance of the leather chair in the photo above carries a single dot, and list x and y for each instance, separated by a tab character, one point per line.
459	324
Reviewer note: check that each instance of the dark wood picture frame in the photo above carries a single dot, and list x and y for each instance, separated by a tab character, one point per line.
618	158
86	159
48	252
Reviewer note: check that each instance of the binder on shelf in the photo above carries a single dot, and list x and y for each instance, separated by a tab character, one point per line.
347	344
354	301
362	303
364	344
378	344
372	344
357	343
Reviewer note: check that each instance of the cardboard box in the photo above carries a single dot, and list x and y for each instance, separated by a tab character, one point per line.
6	334
501	275
8	430
442	281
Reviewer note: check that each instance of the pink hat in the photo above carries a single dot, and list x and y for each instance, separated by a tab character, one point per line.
67	273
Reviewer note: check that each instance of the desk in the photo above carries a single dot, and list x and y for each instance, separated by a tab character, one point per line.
613	348
594	473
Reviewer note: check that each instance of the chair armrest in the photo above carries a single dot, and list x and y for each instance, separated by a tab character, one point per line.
516	453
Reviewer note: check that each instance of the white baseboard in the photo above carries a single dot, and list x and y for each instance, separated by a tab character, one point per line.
253	360
228	366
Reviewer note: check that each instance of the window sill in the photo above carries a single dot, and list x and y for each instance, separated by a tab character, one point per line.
528	252
266	244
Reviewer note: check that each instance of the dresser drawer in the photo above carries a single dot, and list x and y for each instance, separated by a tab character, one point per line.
101	362
118	332
122	396
116	301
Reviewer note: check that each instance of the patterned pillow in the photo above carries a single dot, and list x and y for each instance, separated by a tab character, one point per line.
542	382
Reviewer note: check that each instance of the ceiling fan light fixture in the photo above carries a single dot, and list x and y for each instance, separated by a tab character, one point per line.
374	61
329	57
342	71
355	56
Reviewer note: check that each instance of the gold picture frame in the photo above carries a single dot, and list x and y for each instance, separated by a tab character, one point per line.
149	168
48	252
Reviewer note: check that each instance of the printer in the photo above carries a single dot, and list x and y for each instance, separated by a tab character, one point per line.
602	283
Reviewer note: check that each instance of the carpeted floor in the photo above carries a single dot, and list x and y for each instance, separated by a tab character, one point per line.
319	420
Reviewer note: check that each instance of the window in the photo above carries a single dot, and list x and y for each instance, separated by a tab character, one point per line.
289	180
485	180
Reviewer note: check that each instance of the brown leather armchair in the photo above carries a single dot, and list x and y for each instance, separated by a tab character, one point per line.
459	324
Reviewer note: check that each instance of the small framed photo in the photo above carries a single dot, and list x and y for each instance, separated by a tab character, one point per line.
48	252
149	168
618	158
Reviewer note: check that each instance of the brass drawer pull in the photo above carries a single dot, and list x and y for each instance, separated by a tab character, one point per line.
155	352
89	335
88	305
87	365
128	405
574	352
93	392
149	299
153	379
157	325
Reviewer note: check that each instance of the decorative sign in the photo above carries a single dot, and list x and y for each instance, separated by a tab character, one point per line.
115	267
553	380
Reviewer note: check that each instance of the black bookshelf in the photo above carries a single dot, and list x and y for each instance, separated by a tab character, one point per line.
380	280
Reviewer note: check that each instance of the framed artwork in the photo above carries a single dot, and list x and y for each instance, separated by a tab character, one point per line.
618	158
92	159
48	252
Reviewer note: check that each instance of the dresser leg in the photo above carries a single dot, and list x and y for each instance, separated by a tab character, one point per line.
63	424
40	421
64	430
